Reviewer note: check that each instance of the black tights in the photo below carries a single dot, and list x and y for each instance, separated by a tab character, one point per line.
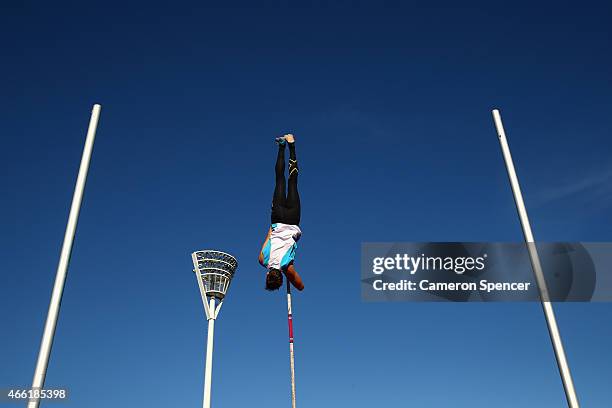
286	209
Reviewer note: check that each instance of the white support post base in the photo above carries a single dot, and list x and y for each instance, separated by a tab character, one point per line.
209	354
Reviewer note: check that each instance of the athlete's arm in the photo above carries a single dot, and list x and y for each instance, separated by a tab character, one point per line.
294	277
263	246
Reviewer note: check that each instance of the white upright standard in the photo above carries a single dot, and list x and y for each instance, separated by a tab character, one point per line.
46	343
551	321
214	271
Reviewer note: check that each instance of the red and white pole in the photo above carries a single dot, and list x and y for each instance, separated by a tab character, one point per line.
291	355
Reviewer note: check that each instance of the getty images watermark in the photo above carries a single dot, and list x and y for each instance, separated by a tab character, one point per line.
471	271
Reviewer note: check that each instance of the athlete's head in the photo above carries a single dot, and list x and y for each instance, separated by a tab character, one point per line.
274	279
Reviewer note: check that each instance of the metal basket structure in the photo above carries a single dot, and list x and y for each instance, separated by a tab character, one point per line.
215	270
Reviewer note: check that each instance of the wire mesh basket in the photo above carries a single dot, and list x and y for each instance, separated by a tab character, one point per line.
215	269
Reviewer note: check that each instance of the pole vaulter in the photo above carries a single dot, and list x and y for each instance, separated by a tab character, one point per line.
279	248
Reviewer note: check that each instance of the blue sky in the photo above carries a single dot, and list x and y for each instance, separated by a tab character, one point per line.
390	105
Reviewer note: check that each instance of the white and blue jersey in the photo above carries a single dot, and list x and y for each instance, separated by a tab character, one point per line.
280	249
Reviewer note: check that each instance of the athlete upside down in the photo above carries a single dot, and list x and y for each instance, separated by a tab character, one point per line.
278	251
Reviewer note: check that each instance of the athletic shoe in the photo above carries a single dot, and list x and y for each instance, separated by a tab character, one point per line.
281	140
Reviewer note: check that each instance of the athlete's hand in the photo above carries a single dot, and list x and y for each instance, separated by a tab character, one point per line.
289	138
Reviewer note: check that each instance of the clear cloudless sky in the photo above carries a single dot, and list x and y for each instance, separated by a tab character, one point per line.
390	104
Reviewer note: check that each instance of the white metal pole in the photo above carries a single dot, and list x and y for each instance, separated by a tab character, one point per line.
60	278
553	329
209	354
291	355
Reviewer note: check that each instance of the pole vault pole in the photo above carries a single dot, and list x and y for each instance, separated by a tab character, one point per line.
291	355
551	321
60	278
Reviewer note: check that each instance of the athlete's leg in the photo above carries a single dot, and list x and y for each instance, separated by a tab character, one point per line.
293	196
279	199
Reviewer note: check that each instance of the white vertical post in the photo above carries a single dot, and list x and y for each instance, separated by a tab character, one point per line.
291	355
553	330
40	372
209	353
